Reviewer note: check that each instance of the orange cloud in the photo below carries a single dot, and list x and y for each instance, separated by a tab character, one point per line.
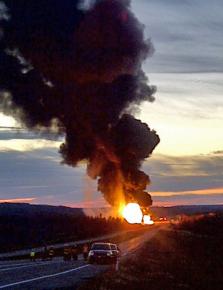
18	200
100	202
207	191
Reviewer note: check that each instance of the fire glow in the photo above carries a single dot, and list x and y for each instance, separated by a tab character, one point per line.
133	214
147	220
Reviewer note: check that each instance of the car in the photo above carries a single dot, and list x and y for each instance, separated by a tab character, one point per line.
103	253
115	250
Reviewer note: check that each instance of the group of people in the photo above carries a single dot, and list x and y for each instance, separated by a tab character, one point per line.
69	253
48	254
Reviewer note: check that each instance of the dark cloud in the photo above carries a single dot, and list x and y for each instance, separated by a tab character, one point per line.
189	173
39	174
187	34
80	71
20	134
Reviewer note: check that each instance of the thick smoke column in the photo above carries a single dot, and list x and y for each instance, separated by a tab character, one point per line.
80	71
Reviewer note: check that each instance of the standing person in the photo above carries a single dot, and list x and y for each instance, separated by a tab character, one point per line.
85	251
51	253
32	256
74	252
45	253
67	253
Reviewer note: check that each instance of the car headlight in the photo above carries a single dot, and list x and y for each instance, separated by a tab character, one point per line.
109	253
91	253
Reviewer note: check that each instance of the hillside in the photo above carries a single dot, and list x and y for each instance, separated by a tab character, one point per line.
25	209
27	225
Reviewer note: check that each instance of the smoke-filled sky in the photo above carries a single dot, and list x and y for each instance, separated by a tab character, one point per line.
186	167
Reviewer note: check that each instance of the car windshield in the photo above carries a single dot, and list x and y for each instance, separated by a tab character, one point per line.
113	247
101	247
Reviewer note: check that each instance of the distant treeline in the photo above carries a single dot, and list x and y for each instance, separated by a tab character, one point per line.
210	224
26	226
21	231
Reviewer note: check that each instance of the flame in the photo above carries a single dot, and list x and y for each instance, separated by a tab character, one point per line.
147	220
132	213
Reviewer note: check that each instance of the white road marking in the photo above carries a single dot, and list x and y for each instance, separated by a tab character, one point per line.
14	265
26	266
24	262
43	277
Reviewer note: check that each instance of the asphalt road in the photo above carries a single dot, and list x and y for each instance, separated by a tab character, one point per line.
58	274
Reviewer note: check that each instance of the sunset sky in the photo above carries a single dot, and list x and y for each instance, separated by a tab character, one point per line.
187	166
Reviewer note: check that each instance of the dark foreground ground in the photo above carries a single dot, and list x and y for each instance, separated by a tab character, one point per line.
187	257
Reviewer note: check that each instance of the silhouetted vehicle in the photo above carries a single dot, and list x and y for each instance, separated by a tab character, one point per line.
102	253
163	219
115	250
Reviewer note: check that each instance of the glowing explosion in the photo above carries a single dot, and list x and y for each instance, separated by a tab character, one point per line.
147	220
134	215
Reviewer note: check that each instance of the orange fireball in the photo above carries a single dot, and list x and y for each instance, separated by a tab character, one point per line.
132	213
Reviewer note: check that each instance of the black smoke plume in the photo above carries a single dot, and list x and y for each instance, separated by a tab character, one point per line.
80	71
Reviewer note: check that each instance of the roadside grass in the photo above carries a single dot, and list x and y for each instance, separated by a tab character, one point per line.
170	261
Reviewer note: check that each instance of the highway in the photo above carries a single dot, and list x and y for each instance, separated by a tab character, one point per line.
58	274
